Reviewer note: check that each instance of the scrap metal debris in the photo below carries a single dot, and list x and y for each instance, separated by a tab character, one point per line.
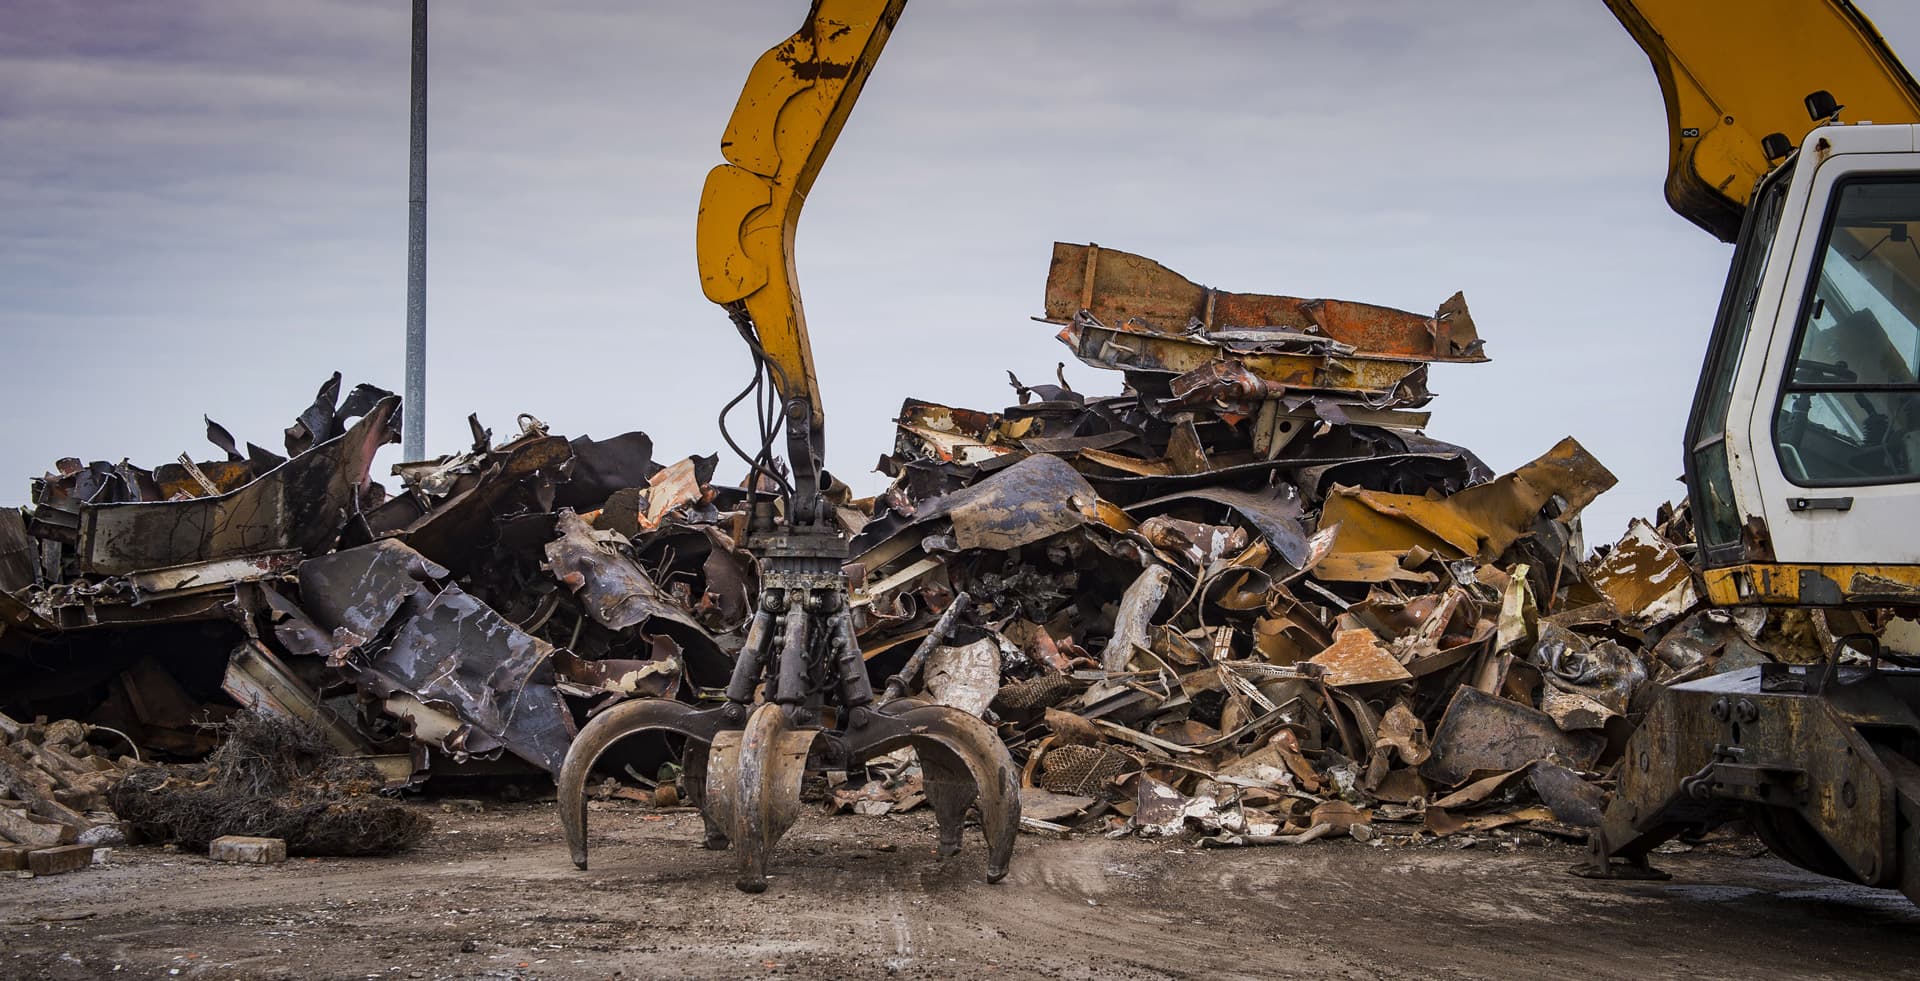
1245	597
474	617
1248	598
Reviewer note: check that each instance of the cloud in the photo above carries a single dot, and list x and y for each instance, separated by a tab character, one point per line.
204	209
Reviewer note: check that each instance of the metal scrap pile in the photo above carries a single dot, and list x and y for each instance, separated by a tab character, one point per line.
1247	595
481	610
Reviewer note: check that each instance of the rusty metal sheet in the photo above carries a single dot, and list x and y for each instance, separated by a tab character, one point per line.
463	658
1116	286
1384	382
1481	732
1356	657
301	505
1037	498
1478	522
1368	567
356	592
682	483
618	593
1645	578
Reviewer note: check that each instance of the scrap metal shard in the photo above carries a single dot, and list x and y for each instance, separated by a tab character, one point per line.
1478	522
1116	287
1037	498
1484	732
470	680
618	593
1645	578
461	657
357	591
1356	657
302	504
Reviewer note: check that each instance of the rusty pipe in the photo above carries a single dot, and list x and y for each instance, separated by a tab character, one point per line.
942	629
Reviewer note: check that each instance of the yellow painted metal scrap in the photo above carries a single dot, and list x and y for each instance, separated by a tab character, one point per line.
1478	522
795	101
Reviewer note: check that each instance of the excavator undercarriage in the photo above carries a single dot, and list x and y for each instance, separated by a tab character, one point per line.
1819	759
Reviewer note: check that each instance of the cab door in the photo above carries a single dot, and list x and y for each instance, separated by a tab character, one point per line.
1833	429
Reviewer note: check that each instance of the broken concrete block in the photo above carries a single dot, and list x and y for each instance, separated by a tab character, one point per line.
61	858
20	826
13	858
249	851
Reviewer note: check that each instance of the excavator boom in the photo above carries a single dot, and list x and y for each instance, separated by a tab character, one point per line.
791	109
1733	73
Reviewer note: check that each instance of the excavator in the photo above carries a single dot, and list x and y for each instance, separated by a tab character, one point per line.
1795	135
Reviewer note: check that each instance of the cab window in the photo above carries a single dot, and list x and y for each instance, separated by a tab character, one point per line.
1849	413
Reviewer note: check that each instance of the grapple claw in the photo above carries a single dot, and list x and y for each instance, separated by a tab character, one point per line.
964	763
753	787
611	726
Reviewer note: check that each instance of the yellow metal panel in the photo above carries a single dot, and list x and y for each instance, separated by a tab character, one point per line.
1734	72
1781	584
794	103
1478	522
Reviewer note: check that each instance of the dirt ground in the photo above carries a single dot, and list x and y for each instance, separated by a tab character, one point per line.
492	895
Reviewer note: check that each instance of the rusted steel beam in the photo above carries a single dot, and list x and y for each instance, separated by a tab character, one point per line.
1116	287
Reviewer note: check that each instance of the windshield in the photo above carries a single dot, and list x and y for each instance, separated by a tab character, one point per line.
1850	411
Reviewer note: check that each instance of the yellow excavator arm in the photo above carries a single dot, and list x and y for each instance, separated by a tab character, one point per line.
794	103
1736	71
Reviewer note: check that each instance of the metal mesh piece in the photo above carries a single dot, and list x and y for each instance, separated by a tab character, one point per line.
1083	770
1044	691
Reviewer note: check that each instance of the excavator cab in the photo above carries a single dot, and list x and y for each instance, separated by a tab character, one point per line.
1803	444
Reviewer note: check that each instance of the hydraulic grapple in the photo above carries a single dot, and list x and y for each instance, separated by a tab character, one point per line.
799	700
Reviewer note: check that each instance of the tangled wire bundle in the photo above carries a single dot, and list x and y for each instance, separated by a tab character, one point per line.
271	778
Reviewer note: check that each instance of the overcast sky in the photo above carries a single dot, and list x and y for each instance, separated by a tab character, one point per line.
203	209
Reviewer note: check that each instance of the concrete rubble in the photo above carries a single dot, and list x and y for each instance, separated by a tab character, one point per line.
54	782
1245	597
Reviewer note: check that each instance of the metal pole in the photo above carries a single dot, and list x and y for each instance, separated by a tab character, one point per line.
413	442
